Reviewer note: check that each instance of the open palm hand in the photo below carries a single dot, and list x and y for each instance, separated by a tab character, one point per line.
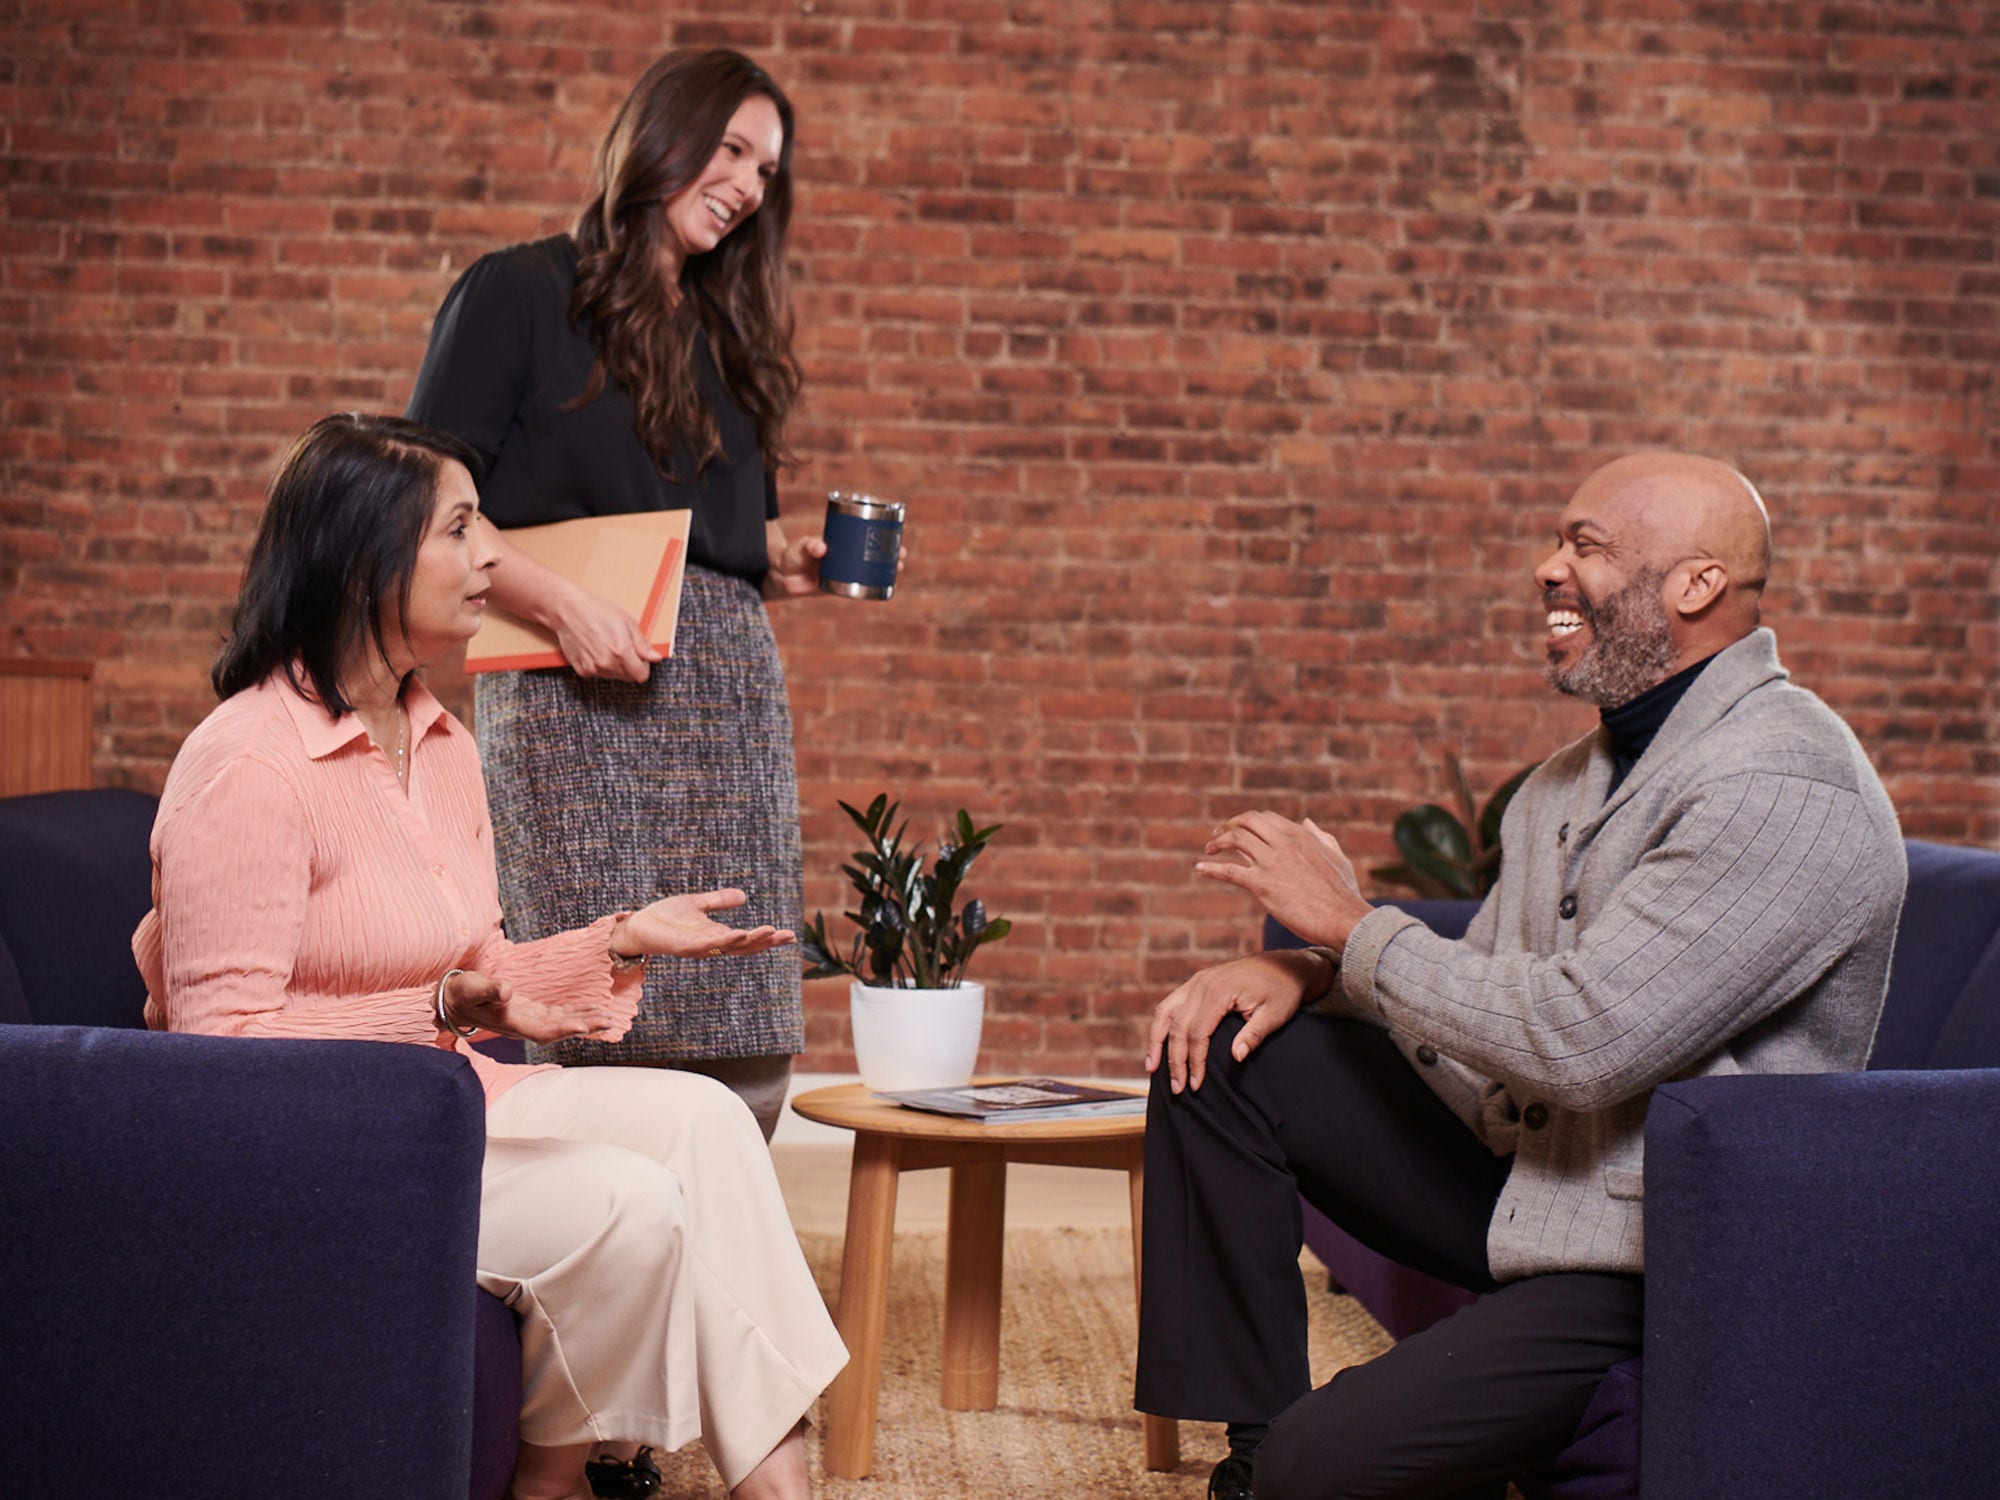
682	927
475	999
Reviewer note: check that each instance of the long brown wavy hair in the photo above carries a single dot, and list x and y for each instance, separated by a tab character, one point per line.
667	131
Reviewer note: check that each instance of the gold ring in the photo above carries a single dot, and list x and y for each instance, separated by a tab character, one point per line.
715	953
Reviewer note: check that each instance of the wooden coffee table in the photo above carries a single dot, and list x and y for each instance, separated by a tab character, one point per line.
889	1140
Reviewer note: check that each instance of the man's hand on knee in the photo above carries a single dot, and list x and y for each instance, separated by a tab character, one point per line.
1266	989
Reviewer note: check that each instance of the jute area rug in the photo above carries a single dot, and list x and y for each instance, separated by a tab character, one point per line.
1065	1424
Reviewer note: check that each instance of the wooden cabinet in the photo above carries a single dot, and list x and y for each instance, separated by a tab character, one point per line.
44	725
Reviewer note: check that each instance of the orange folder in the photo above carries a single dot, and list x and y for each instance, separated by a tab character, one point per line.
633	560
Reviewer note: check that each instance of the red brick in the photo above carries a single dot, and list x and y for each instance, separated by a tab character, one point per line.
1233	408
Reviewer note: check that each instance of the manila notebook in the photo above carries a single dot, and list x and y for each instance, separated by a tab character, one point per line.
634	560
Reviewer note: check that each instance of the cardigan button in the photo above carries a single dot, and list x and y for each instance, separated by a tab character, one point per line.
1427	1054
1566	908
1535	1116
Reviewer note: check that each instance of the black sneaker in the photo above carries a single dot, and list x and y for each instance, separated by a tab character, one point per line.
1230	1480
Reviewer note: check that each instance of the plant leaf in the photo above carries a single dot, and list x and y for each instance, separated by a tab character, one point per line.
1461	789
817	956
950	868
865	821
1435	846
1395	875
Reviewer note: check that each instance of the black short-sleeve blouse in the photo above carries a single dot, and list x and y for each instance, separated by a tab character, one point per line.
502	363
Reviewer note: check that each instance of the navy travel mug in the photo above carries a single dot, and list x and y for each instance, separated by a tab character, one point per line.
864	536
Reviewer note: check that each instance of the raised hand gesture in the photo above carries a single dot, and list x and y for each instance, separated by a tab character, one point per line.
1297	871
681	927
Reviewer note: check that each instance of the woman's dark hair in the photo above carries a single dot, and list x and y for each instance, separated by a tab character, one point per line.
340	535
666	133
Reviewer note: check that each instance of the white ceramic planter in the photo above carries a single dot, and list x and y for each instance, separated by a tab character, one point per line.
916	1039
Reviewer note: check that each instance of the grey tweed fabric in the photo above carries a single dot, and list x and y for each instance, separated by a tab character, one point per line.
606	795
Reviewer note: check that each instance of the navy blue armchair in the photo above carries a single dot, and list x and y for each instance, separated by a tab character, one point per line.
243	1265
1820	1250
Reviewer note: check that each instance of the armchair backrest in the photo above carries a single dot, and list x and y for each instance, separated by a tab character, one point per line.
75	879
1944	987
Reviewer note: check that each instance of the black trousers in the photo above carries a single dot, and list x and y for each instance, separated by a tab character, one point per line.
1331	1110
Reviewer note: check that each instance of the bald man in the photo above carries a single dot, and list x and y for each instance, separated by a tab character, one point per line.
1709	882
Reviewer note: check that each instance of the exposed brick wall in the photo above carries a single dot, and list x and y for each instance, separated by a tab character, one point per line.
1234	361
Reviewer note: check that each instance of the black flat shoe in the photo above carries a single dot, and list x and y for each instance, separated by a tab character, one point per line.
636	1478
1230	1480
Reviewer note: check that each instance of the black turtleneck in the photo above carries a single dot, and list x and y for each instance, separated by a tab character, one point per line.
1633	725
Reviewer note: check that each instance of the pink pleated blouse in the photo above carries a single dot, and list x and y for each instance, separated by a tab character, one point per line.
297	892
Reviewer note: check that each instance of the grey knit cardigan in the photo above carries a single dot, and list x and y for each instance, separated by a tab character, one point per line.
1731	909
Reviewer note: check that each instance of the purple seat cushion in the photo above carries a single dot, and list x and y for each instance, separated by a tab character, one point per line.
1602	1460
1401	1300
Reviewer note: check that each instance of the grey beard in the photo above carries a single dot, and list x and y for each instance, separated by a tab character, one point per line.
1631	647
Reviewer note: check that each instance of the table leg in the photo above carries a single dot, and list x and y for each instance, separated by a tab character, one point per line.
849	1449
972	1286
1163	1434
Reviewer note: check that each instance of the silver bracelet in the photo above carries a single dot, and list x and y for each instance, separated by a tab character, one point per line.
444	1020
620	962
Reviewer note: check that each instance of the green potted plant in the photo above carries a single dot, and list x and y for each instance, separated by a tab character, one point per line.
916	1017
1452	855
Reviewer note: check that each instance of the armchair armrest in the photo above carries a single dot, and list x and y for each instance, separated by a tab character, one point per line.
246	1263
1820	1256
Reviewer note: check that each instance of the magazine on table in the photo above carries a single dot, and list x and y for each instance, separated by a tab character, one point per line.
1024	1099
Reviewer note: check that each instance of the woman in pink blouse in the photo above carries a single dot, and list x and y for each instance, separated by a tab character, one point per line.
323	867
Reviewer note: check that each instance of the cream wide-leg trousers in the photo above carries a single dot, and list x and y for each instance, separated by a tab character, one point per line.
632	1219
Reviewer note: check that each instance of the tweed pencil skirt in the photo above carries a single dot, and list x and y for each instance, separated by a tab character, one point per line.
607	795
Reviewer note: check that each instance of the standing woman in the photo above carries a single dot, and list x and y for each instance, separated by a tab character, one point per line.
645	363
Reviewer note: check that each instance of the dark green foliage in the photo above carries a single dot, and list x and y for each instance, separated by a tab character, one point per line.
910	937
1449	854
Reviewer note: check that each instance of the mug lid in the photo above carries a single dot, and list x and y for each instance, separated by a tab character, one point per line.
866	507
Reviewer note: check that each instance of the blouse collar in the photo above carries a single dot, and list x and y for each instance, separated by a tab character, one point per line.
322	733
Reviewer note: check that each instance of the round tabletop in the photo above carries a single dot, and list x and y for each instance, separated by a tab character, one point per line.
851	1107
